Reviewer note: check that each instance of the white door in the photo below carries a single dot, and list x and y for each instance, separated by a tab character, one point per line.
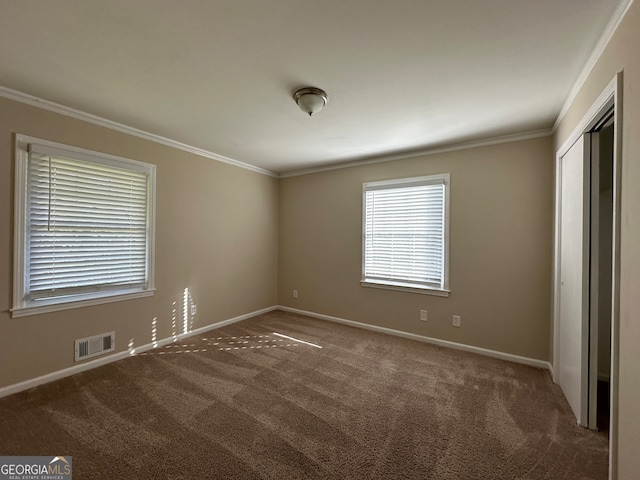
574	280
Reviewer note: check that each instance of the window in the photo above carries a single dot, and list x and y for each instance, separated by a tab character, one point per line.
405	234
84	227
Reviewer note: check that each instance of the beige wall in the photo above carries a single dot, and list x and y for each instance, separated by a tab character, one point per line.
216	234
622	54
500	249
218	225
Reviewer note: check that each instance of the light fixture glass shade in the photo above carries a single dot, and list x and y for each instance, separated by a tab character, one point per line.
310	100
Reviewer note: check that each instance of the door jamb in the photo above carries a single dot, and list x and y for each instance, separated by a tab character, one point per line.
610	96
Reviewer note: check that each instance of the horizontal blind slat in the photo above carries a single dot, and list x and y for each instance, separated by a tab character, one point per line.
404	234
87	226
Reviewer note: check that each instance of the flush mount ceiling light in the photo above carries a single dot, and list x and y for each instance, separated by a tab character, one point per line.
311	100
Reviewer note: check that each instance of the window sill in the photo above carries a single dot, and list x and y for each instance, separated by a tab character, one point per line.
55	305
404	288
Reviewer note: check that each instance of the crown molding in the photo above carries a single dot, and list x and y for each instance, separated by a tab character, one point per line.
605	38
614	22
103	122
454	147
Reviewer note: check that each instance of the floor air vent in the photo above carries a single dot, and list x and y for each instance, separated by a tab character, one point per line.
96	345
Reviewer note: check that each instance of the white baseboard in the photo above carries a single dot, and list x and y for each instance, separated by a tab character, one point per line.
82	367
434	341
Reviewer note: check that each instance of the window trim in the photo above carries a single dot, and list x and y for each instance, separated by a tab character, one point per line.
23	307
443	178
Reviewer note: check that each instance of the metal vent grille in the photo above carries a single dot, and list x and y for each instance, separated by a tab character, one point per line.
96	345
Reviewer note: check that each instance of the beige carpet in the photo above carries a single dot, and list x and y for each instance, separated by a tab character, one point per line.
242	402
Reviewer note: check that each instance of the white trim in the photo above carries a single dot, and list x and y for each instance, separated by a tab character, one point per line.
151	232
103	122
435	179
454	147
594	114
399	288
82	367
610	96
47	147
23	145
615	278
65	304
605	38
614	22
555	281
19	222
420	338
442	290
591	116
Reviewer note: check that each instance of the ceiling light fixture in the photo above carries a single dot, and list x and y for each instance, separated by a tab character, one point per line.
311	100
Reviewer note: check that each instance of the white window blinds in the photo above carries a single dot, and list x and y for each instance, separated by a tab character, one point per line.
405	230
87	225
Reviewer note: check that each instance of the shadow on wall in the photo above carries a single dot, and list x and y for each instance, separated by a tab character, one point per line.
172	345
187	312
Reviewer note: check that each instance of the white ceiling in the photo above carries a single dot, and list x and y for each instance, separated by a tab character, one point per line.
402	76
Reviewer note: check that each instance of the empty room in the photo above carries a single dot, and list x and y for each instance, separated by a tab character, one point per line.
316	240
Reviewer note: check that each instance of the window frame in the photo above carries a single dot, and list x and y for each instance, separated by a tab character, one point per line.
444	179
22	306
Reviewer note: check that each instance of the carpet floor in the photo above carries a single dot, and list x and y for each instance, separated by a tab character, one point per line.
260	400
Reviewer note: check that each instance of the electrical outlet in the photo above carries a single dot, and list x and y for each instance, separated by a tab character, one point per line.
295	294
423	315
194	309
456	320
